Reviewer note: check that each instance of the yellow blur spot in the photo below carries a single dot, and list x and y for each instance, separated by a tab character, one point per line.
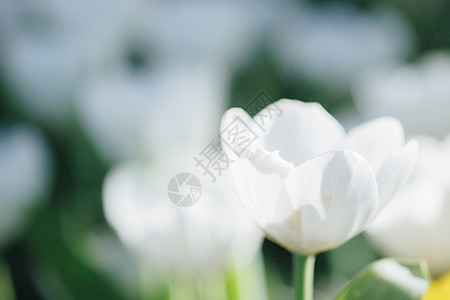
439	289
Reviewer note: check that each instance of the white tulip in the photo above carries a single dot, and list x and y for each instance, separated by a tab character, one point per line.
304	181
418	95
416	223
24	177
129	115
332	44
46	45
224	32
203	238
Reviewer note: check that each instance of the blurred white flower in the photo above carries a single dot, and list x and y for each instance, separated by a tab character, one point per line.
416	223
332	44
45	46
169	79
203	238
24	177
320	186
224	32
129	115
418	95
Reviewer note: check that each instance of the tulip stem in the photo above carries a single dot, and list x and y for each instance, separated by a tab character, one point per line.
303	276
232	285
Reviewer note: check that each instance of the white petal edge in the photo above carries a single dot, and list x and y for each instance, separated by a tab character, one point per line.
394	173
300	131
257	174
257	180
236	127
376	140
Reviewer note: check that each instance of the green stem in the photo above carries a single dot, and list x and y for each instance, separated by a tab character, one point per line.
303	276
200	290
232	285
247	280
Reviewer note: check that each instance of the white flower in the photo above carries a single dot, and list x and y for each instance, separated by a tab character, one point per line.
308	184
224	32
128	114
418	95
47	45
205	237
332	44
24	177
416	223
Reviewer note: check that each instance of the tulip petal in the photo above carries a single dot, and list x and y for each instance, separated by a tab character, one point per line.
332	196
376	140
293	234
303	130
394	172
238	132
258	190
257	174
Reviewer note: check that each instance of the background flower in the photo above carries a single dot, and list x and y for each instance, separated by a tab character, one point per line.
415	224
46	46
332	44
206	237
129	115
418	95
24	177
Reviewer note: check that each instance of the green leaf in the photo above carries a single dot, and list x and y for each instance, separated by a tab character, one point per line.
350	258
388	279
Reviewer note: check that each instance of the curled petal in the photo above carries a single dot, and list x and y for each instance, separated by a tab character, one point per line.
238	133
257	174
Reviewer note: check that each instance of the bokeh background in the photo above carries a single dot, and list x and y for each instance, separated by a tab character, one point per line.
91	90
